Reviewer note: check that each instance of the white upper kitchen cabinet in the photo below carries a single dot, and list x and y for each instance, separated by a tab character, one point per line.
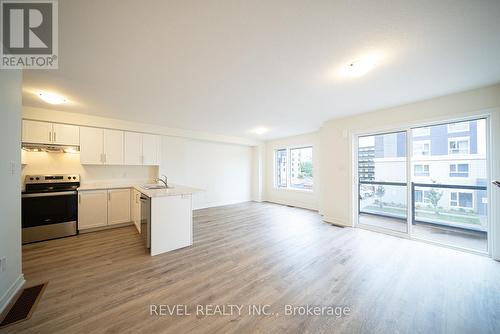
92	209
118	206
150	149
37	132
63	134
91	146
113	147
133	148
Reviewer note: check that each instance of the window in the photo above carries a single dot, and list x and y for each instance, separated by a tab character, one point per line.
459	170
461	200
303	166
421	132
421	170
458	127
422	196
280	166
422	147
458	145
298	164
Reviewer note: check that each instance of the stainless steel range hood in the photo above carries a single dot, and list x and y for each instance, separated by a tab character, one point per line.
50	148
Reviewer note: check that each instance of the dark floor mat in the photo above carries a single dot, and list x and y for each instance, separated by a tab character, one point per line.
24	305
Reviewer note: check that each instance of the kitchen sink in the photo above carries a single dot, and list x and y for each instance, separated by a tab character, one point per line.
155	186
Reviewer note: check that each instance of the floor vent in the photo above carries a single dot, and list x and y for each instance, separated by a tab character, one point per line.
24	306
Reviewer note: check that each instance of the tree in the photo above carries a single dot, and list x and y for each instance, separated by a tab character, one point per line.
306	169
380	192
434	196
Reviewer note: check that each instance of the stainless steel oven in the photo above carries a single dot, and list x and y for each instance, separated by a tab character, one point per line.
49	207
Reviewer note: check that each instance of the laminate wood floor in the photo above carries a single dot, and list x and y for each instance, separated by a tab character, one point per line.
263	254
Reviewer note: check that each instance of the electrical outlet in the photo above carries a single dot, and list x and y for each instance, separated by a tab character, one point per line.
3	264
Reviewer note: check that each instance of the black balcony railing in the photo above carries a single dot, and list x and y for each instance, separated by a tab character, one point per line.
414	187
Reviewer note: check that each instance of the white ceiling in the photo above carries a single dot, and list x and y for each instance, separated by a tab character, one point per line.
230	66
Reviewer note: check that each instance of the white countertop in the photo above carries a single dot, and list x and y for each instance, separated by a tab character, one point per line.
105	186
175	191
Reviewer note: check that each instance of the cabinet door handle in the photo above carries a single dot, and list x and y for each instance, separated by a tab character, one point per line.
109	196
50	136
54	136
79	199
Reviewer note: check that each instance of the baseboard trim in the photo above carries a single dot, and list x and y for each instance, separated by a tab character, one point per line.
9	296
222	203
299	205
102	228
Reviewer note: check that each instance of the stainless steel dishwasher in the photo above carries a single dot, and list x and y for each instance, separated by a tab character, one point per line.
146	220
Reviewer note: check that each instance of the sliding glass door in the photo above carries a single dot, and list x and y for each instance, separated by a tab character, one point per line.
449	184
436	192
382	181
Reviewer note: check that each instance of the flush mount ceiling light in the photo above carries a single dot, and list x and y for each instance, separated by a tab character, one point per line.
260	130
51	98
361	65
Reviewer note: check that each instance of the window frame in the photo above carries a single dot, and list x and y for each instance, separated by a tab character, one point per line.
288	171
452	130
423	142
457	173
424	131
422	173
458	139
276	185
457	200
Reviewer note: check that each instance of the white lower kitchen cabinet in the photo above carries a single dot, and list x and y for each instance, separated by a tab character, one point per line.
92	209
118	206
135	210
101	208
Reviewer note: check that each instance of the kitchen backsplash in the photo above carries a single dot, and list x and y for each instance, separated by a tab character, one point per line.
67	163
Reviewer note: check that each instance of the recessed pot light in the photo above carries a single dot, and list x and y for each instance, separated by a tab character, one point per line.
51	98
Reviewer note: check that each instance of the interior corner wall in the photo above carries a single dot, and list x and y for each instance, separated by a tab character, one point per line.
336	136
10	197
258	166
297	198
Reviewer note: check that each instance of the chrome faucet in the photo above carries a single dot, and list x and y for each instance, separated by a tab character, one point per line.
164	180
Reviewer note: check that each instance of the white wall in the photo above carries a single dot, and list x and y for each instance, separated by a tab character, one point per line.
223	171
10	196
336	136
298	198
66	163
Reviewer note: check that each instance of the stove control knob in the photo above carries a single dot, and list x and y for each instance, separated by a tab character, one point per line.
69	177
31	178
37	178
74	177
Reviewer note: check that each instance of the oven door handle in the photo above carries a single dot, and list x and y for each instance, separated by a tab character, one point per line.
60	193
